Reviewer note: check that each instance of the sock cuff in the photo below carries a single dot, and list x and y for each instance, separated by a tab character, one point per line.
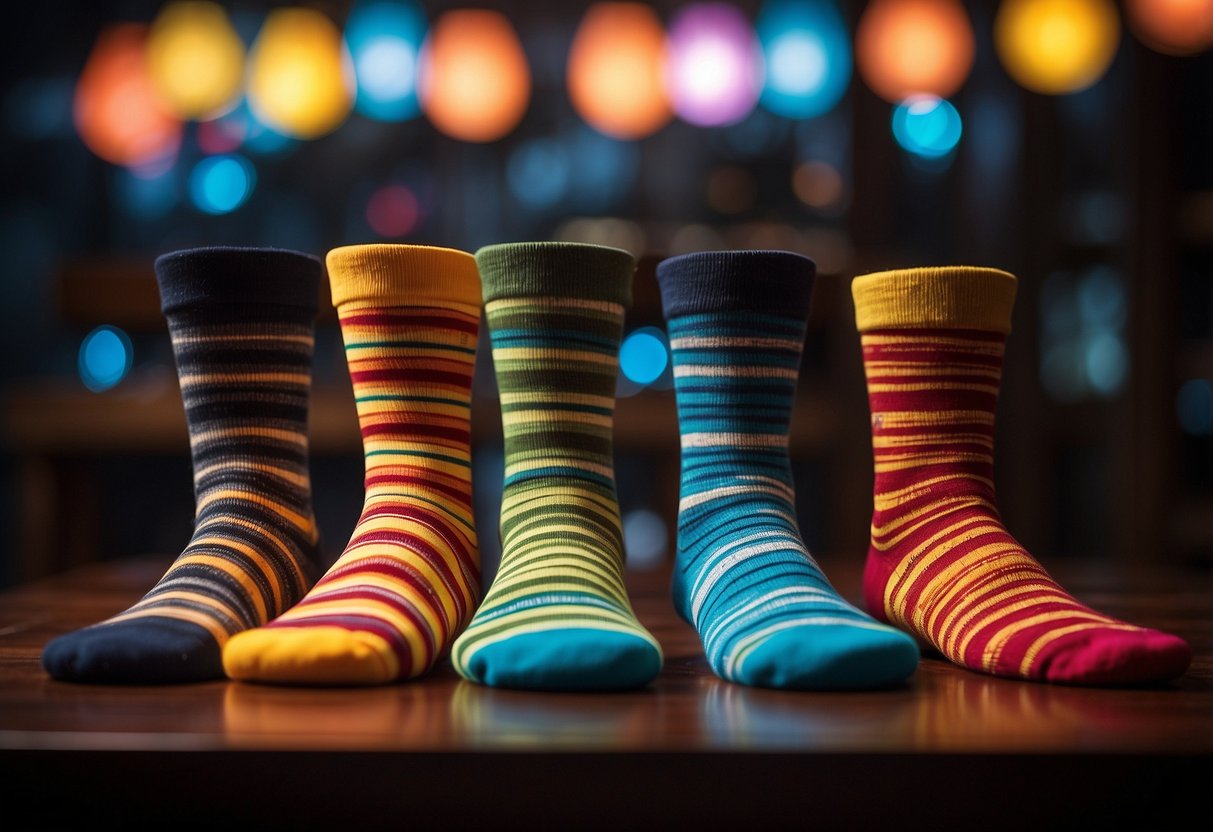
944	297
398	275
772	282
570	270
229	275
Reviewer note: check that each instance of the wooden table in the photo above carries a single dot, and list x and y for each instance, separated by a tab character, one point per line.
951	749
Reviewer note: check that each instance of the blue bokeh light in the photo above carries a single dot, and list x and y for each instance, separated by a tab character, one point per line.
221	184
808	57
384	39
105	358
1107	363
927	126
538	172
644	356
1194	405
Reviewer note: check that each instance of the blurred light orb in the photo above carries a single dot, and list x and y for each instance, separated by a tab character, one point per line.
393	211
1106	362
196	59
927	126
475	82
146	197
118	113
384	39
1194	406
105	358
538	172
215	137
1056	47
1173	27
645	539
818	184
714	74
615	70
914	47
644	355
221	184
808	57
301	79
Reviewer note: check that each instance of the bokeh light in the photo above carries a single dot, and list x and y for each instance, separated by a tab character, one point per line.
1194	406
221	184
808	57
393	211
644	355
196	59
105	358
818	184
1173	27
927	126
615	70
475	83
910	47
538	172
384	38
301	79
146	197
1056	47
714	73
117	111
645	539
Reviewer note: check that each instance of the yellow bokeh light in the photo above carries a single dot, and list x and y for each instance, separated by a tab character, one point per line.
475	83
914	47
616	70
301	80
1173	27
1056	47
116	109
196	59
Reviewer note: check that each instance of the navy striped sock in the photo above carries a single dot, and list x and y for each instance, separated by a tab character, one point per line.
764	610
241	323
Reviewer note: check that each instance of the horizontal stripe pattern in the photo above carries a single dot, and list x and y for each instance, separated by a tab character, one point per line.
408	579
942	564
743	574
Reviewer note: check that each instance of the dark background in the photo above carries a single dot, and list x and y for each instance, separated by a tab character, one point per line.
1100	201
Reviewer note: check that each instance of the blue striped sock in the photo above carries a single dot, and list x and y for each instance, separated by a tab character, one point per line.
764	610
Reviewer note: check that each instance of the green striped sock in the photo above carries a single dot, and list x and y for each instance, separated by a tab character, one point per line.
557	616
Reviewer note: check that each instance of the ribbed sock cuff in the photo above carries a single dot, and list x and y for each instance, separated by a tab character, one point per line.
403	275
569	270
225	275
944	297
770	282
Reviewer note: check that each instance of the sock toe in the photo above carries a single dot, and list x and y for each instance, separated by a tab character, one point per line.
144	652
830	657
310	656
572	659
1115	657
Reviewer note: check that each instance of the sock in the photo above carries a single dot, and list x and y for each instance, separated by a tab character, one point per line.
764	610
941	564
557	616
409	578
241	323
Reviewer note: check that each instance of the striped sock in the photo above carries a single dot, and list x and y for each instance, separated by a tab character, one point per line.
941	563
765	613
409	578
557	616
241	323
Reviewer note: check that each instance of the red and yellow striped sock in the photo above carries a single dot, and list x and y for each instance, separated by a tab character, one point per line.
409	579
942	565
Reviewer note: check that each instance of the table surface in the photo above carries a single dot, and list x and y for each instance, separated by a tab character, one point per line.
688	729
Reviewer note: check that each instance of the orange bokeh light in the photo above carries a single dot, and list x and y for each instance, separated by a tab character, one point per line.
1174	27
117	111
910	47
475	83
616	70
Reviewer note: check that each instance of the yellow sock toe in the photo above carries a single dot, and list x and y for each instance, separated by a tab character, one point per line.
316	656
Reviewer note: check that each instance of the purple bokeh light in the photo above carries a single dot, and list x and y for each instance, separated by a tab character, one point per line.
714	72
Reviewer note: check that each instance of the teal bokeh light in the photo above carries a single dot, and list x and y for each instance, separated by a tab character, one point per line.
808	57
105	358
644	356
927	126
384	39
221	184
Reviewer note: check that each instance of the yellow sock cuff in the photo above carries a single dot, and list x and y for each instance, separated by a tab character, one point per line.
945	297
394	274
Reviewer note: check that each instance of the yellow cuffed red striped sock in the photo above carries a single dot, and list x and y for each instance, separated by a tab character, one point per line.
408	581
941	564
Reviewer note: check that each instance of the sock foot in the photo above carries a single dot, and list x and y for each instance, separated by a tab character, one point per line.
567	658
827	657
312	656
150	651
